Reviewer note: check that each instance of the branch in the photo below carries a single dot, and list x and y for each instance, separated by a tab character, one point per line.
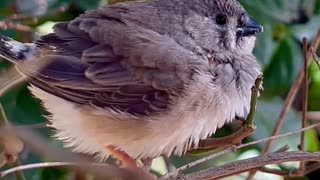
314	115
99	169
253	102
252	163
304	101
179	171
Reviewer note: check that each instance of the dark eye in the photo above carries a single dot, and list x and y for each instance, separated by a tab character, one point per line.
221	19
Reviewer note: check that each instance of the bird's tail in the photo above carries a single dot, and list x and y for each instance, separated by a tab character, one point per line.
13	50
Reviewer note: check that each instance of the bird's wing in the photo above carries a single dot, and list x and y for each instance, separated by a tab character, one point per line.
101	59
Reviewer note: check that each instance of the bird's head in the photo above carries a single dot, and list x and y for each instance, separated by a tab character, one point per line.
221	26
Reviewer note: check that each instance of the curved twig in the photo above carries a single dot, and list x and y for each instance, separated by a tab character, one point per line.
252	163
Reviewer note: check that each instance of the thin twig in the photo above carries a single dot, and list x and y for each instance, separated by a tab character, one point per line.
289	100
315	57
304	101
178	171
10	83
33	126
282	149
253	102
248	164
313	115
3	118
311	168
292	174
44	165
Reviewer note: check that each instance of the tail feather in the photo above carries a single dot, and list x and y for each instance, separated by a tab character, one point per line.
13	50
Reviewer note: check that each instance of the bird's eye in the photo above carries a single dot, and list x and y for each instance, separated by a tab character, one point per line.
221	19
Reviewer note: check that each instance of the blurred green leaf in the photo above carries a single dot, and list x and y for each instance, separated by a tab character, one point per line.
282	70
53	174
312	142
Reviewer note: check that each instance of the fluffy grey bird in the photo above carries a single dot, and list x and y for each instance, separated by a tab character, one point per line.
147	78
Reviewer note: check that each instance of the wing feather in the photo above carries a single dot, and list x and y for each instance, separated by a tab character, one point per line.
102	59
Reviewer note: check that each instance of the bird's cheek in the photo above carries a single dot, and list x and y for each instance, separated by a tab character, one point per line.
249	43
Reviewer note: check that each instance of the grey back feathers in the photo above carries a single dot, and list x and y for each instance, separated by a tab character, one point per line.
132	57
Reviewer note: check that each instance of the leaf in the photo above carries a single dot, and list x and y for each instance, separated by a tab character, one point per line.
283	68
312	142
53	173
272	10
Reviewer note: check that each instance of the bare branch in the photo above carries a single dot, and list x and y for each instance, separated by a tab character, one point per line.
304	101
252	163
179	171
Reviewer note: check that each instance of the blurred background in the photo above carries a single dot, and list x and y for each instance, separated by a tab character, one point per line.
278	50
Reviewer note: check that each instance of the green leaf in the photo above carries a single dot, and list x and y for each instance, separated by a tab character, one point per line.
272	11
311	140
53	174
283	68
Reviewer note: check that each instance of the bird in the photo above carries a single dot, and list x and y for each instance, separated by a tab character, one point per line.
142	79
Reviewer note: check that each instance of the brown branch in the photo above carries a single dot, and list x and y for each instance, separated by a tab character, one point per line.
45	165
252	163
282	149
314	115
100	170
304	102
291	174
179	171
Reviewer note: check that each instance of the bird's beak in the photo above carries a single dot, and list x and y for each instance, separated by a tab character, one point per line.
249	27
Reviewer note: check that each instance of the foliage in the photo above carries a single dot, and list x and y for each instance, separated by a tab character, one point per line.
278	50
